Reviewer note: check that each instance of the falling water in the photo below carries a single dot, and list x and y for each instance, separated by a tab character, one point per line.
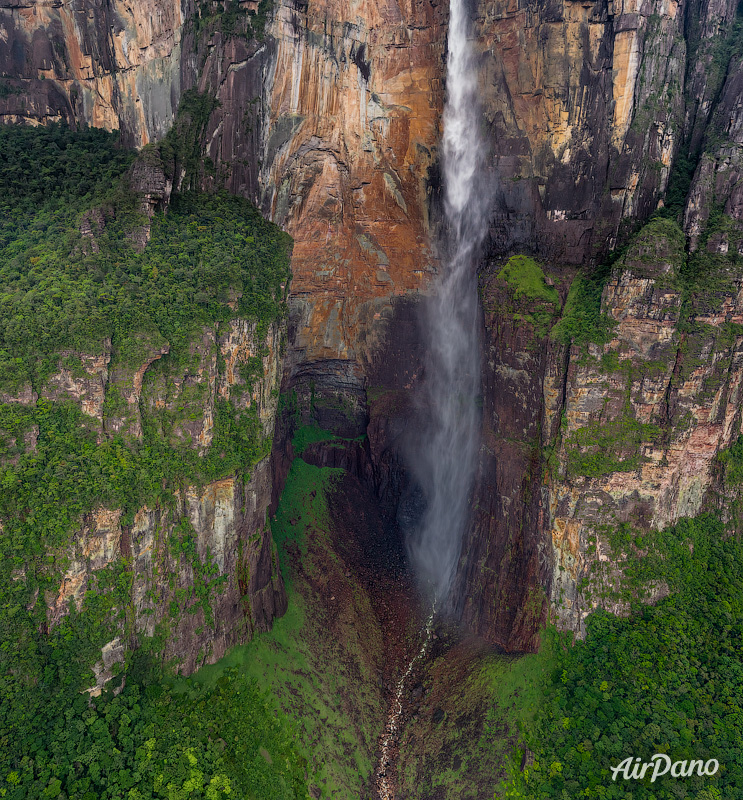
443	461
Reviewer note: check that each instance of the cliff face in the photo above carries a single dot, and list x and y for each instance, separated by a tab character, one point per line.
592	108
204	572
499	583
200	592
332	118
115	66
153	453
328	114
585	107
355	104
644	418
588	105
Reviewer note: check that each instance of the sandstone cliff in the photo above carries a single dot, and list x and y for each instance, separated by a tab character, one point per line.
328	113
139	467
203	567
115	66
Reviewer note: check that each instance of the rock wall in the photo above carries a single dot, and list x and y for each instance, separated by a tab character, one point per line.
584	104
629	431
332	119
199	603
329	116
204	572
114	65
643	420
499	588
354	109
199	560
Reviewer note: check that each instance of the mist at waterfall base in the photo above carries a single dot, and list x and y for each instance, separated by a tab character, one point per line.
443	457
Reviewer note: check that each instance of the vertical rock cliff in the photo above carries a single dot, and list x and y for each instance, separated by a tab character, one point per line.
204	570
116	66
138	407
597	116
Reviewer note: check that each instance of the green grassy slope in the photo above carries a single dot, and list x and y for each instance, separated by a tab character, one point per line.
320	661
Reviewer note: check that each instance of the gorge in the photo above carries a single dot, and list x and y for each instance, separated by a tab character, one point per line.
358	286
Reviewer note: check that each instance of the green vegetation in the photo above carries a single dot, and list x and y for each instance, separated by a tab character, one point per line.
150	741
63	295
731	461
318	666
231	19
679	184
658	251
534	300
58	292
708	277
659	242
526	278
54	166
181	149
582	320
600	449
666	679
308	434
473	708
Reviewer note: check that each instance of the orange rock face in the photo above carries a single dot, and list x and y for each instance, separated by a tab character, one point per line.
114	66
355	106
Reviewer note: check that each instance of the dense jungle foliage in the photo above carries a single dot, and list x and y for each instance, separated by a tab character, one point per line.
148	742
73	284
667	678
63	290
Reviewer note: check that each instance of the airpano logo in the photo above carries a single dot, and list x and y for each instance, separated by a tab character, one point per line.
660	764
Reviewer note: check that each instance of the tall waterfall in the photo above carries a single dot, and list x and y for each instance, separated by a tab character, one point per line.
443	461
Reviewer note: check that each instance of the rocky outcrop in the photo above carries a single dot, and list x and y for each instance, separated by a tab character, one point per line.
82	377
499	586
204	572
115	66
147	179
718	180
708	30
180	401
125	391
643	421
252	368
222	592
235	364
585	107
97	545
350	149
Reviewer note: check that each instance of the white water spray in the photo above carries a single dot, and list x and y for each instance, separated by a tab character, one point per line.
443	462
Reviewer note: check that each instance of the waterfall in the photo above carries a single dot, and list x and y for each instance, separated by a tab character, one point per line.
443	460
